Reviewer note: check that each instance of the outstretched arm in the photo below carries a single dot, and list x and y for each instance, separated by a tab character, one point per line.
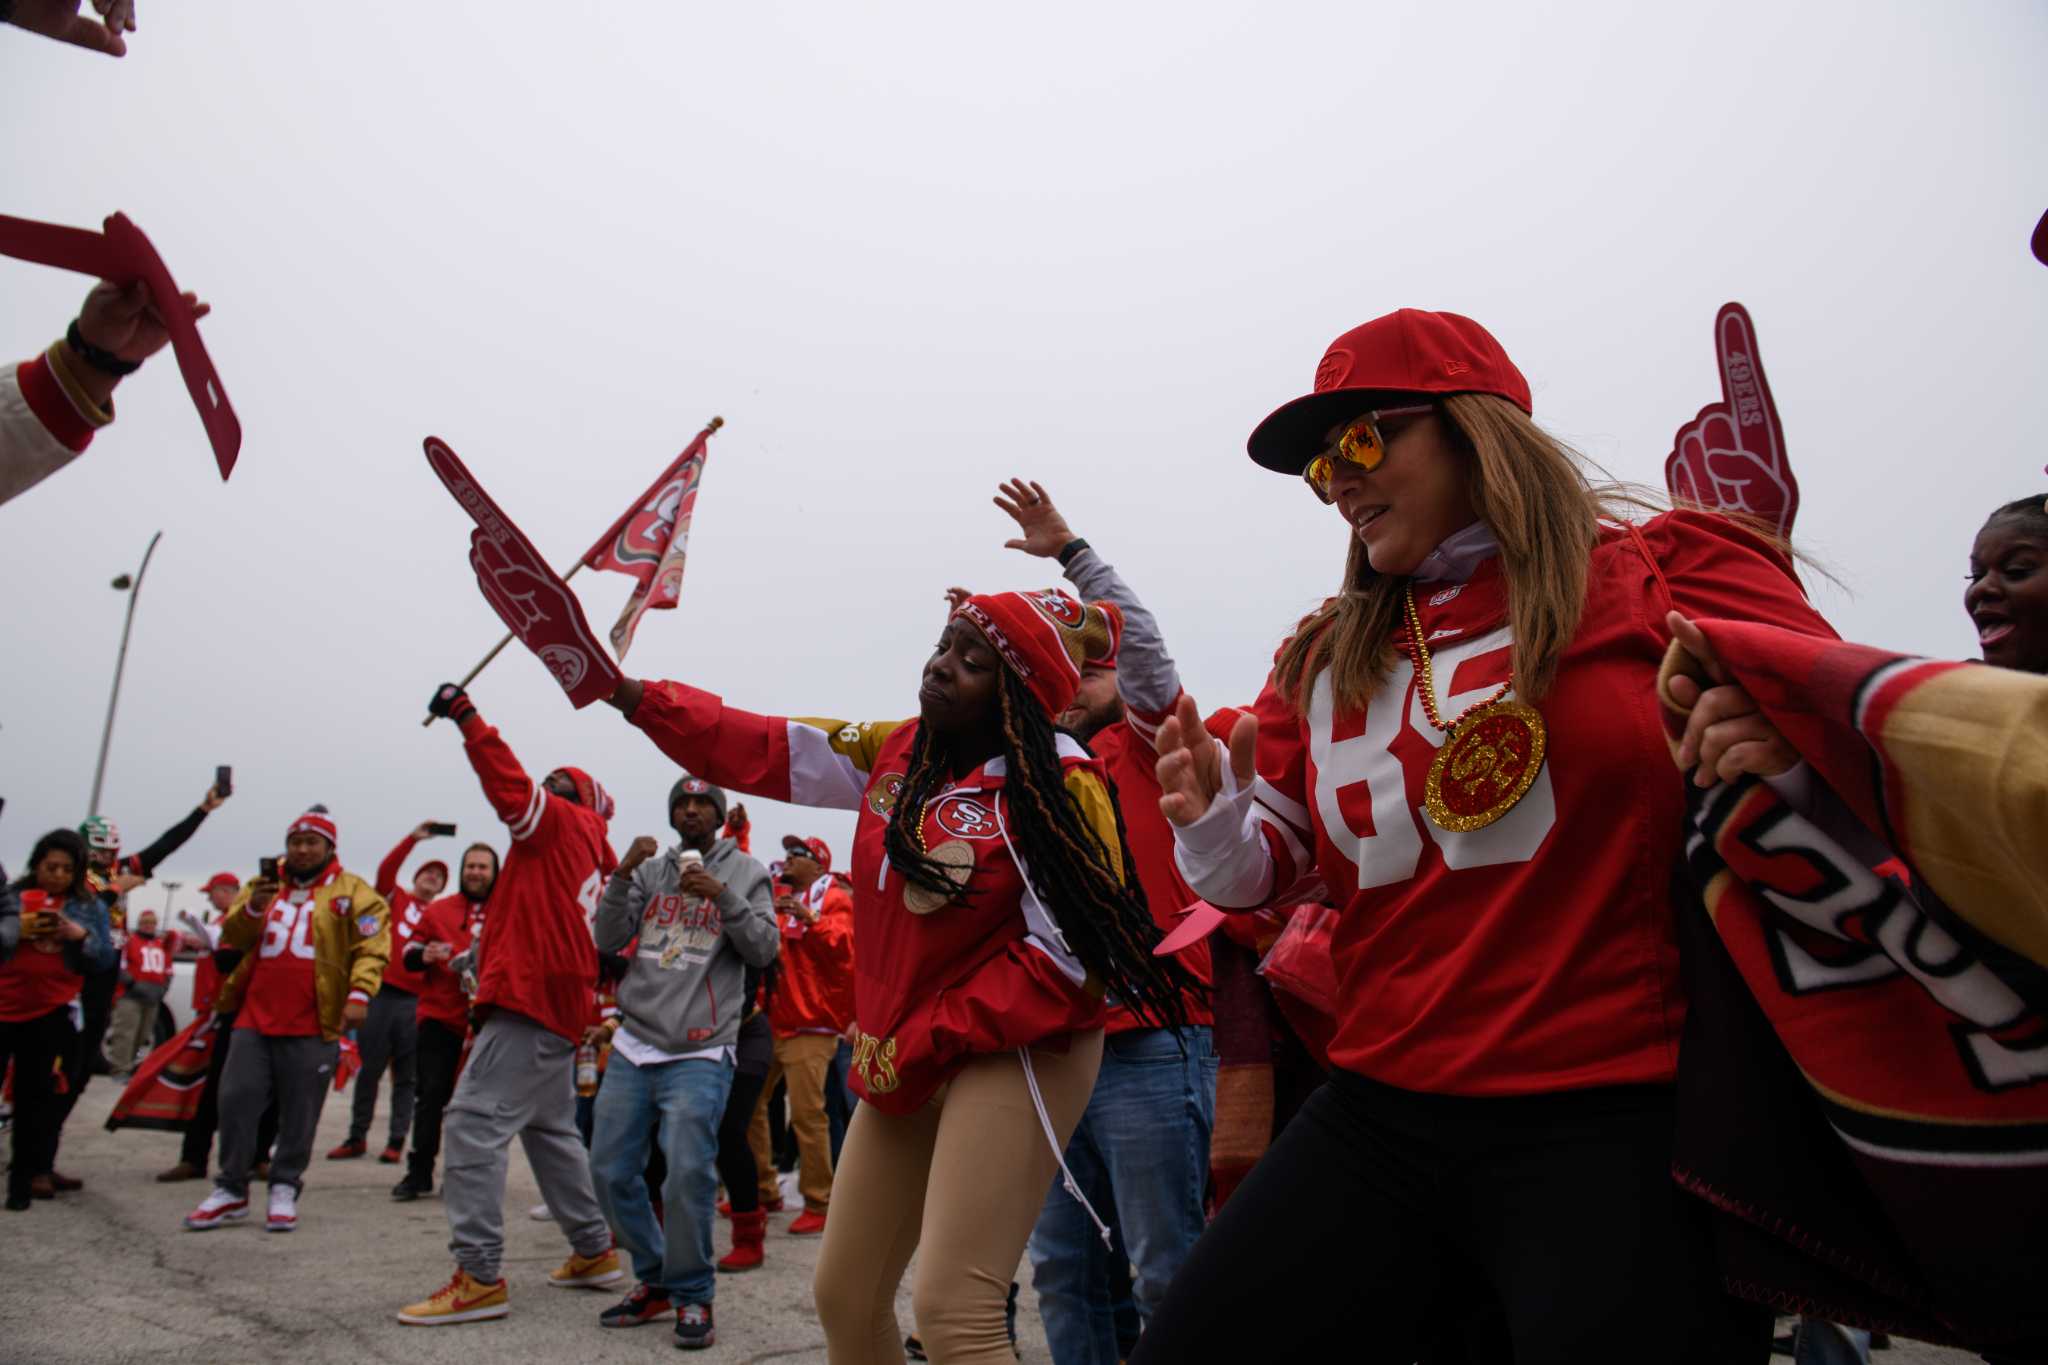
518	800
174	838
387	871
800	759
1145	676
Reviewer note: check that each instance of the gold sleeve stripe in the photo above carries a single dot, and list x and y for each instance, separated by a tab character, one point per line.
859	742
1097	813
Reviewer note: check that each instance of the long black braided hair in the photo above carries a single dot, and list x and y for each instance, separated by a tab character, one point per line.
1104	917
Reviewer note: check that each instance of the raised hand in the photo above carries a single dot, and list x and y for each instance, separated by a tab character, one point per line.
1190	769
451	701
1028	504
122	318
61	20
1731	456
639	852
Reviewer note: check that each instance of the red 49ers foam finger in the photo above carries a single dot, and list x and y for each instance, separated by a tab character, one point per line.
529	597
123	255
1731	456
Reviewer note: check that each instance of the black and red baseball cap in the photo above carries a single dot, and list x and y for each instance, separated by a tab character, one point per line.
815	849
1379	363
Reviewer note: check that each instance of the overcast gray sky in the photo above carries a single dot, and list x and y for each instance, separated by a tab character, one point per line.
906	251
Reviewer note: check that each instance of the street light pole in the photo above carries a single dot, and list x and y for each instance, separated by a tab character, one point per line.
134	591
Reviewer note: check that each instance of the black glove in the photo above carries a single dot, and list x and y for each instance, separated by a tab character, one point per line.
451	701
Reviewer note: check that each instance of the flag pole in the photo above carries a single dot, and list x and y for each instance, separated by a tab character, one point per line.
481	664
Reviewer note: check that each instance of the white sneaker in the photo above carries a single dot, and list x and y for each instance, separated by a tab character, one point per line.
540	1213
217	1208
284	1209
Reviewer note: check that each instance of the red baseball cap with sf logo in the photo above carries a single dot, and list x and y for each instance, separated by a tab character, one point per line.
1382	364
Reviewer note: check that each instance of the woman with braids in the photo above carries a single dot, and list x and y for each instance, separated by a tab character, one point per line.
2008	593
1467	744
991	912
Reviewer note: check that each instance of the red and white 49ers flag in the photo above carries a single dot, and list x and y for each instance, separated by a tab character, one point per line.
650	542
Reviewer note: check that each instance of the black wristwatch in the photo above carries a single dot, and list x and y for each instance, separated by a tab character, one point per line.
1070	549
105	361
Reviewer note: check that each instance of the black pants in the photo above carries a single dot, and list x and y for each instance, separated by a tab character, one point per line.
735	1158
389	1037
440	1052
198	1144
35	1046
96	1009
1374	1205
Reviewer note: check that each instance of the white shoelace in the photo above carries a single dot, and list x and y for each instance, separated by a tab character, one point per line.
1059	1155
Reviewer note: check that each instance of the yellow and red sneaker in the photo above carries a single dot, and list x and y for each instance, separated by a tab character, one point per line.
587	1272
462	1299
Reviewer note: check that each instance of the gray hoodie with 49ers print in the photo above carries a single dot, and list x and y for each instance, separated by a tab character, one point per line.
684	988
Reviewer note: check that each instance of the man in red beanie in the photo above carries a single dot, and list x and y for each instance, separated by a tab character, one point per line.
809	1005
314	939
535	965
390	1036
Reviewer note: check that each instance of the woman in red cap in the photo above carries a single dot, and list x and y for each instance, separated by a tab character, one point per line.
1465	744
991	910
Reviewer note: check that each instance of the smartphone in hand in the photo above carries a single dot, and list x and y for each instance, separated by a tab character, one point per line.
440	829
224	781
267	867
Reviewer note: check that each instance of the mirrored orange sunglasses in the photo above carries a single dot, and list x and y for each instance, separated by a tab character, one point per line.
1360	443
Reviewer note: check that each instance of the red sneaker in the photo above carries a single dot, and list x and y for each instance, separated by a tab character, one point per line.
644	1305
807	1224
392	1155
350	1149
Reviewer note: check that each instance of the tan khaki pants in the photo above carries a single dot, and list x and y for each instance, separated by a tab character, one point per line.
961	1181
802	1061
134	1025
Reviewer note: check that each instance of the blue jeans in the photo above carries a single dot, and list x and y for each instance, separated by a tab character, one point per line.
1141	1155
686	1099
839	1100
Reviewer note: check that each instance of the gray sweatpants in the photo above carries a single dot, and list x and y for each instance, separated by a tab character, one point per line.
390	1036
297	1073
520	1082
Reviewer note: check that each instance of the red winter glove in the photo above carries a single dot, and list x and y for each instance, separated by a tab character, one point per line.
529	597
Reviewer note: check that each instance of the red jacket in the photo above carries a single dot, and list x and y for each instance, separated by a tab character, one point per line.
538	958
933	983
454	921
1538	953
814	973
406	912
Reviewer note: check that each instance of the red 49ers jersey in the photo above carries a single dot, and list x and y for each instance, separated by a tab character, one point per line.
1538	953
147	959
282	998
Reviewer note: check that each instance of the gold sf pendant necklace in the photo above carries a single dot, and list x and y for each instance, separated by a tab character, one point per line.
1493	754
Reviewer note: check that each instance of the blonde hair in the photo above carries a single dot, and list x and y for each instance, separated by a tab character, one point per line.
1532	491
